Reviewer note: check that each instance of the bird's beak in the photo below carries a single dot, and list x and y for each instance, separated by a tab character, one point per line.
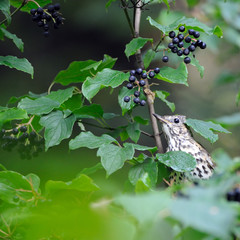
160	118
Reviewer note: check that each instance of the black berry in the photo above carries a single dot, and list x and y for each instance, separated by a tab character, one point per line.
180	37
191	48
57	6
32	135
126	99
139	71
129	86
23	129
196	34
40	23
55	14
179	52
187	60
33	11
170	45
191	31
230	196
40	11
144	75
142	102
46	27
157	70
132	79
46	34
136	93
142	83
186	51
165	58
174	49
198	42
180	44
14	131
151	74
175	40
132	72
172	34
188	39
181	28
136	100
203	45
50	8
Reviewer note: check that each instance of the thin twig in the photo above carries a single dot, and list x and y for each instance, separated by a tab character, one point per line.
50	87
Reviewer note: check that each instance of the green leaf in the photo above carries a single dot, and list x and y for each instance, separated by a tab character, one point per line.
138	171
21	64
82	183
238	98
192	23
57	128
73	103
5	8
140	147
226	78
126	106
143	184
106	78
88	140
91	170
17	41
199	67
29	5
148	57
113	157
12	114
135	45
108	4
133	131
79	71
140	120
34	180
46	104
178	161
163	95
91	111
192	3
206	129
179	75
229	120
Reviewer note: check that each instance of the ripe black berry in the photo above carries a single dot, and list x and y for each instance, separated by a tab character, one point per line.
132	79
46	27
165	58
55	14
142	102
191	31
126	99
174	49
172	34
142	83
186	51
40	11
175	40
198	42
188	39
139	71
191	48
187	60
151	74
23	129
32	135
203	45
144	75
2	132
196	34
136	93
179	52
157	70
181	28
14	131
59	20
180	44
57	6
180	37
129	86
136	100
33	11
170	45
132	72
50	8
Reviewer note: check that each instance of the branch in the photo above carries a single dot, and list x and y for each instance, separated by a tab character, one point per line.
150	98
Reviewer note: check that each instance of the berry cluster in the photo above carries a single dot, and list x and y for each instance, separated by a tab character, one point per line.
45	15
28	144
137	80
184	44
234	195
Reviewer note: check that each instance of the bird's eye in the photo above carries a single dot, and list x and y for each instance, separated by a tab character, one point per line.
176	120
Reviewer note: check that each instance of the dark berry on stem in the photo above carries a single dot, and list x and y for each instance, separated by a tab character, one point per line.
157	70
175	41
132	72
180	44
198	42
165	58
50	8
35	18
142	102
136	100
40	11
188	39
48	18
59	20
14	131
126	99
179	52
57	6
136	93
23	129
33	11
187	60
174	49
172	34
151	74
132	79
186	51
129	86
181	28
54	14
144	75
32	135
191	48
191	31
203	45
142	83
40	23
2	132
139	71
46	34
196	34
180	37
170	45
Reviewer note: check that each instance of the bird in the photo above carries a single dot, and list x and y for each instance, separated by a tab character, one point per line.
179	138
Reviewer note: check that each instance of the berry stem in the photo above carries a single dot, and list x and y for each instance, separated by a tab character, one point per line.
50	87
155	49
34	2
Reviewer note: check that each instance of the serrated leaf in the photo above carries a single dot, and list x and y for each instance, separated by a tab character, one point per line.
192	23
10	114
17	41
21	64
148	57
206	129
88	140
5	8
29	5
136	44
46	104
199	67
133	131
91	111
179	75
177	160
79	71
82	183
105	78
163	95
138	171
57	128
113	157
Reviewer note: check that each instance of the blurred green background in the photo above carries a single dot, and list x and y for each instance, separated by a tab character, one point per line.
89	32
